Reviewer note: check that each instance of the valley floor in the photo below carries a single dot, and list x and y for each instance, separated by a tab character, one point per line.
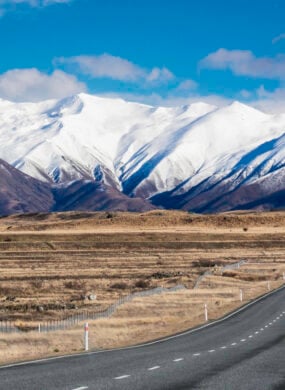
51	263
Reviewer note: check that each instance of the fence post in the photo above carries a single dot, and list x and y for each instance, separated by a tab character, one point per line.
206	312
86	331
39	328
241	295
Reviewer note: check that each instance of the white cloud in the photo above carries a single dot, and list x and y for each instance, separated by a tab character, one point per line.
8	5
278	38
159	75
270	101
187	85
33	3
33	85
245	63
116	68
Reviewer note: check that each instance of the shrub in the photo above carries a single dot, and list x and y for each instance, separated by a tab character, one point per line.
142	283
75	284
119	285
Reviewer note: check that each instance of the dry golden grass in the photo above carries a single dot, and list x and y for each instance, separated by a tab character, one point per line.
55	260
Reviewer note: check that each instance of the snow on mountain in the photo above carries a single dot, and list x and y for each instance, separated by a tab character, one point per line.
182	157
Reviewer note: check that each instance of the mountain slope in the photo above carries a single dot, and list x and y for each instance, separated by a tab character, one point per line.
20	193
197	157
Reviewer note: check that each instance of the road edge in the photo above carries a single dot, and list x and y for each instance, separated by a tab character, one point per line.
152	342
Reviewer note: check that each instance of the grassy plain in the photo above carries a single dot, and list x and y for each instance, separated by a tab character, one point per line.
50	263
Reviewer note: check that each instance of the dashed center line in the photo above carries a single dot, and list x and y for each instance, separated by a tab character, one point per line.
198	353
122	377
153	368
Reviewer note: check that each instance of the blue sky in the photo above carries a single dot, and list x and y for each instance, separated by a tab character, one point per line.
166	52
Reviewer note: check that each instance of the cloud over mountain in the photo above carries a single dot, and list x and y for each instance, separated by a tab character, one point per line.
33	85
116	68
245	63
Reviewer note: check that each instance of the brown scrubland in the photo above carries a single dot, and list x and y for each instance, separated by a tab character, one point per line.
51	263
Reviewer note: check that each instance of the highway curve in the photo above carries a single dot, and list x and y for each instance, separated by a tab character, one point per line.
245	350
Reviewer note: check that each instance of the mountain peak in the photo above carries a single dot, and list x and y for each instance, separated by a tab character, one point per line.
141	150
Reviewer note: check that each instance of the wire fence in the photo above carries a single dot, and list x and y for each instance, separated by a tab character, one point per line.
73	320
225	268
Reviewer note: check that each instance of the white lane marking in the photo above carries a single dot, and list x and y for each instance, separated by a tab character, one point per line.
250	336
270	323
211	350
81	388
122	377
274	321
277	318
233	343
256	332
153	368
196	354
178	360
190	331
242	340
266	326
261	329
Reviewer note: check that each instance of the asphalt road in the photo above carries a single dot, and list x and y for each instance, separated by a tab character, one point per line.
245	351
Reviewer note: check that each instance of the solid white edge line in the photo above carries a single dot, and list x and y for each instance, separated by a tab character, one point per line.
178	360
150	342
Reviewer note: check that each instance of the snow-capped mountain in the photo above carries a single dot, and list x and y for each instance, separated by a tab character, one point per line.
196	157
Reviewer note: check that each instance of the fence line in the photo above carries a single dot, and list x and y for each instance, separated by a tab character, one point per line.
226	267
71	321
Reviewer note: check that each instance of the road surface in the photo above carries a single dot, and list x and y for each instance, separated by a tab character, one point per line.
246	350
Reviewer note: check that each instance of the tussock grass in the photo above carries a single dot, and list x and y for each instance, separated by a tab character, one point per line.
53	260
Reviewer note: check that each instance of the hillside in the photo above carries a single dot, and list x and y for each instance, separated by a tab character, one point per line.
196	157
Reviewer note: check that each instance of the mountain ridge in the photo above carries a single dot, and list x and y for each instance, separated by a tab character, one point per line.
197	157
